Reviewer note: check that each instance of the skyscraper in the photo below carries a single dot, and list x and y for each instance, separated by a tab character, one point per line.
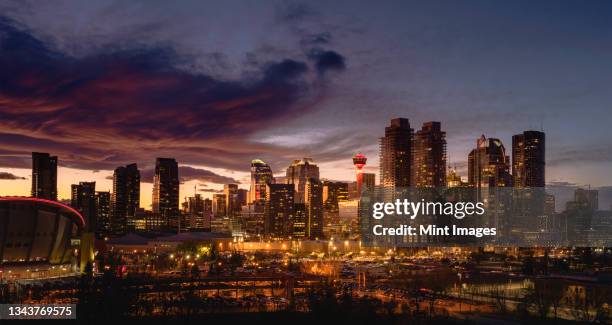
334	193
208	214
453	179
261	175
125	198
586	198
198	212
232	205
396	154
528	159
429	157
44	176
300	220
242	197
488	164
298	174
166	191
103	210
314	205
488	174
369	181
219	205
549	205
278	216
83	199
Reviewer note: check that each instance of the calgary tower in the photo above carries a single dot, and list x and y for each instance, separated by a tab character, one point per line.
359	160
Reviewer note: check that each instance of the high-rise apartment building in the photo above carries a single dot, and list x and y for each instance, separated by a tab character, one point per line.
261	175
334	193
197	213
528	159
453	179
219	205
83	198
429	156
166	191
278	215
103	213
549	205
396	154
586	198
314	205
300	221
208	214
242	196
233	199
125	197
44	176
488	164
369	181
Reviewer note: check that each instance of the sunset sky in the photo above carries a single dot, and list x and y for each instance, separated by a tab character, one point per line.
214	85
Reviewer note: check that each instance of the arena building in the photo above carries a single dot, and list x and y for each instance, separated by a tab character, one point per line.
37	234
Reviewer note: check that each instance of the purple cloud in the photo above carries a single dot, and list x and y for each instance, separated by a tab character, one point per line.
132	105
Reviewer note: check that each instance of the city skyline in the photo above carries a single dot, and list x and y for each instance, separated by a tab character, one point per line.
207	191
294	86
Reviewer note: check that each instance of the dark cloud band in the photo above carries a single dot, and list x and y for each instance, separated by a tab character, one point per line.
132	105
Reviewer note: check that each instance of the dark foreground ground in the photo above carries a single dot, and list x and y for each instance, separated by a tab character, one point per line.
293	318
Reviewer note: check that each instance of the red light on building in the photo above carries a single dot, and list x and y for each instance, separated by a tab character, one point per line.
359	160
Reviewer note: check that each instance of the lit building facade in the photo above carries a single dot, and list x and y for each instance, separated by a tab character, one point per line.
278	214
396	154
125	198
261	175
369	181
166	191
549	207
298	174
453	179
429	156
103	213
488	164
529	159
333	193
83	198
314	204
219	205
37	231
232	204
198	213
252	220
300	221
